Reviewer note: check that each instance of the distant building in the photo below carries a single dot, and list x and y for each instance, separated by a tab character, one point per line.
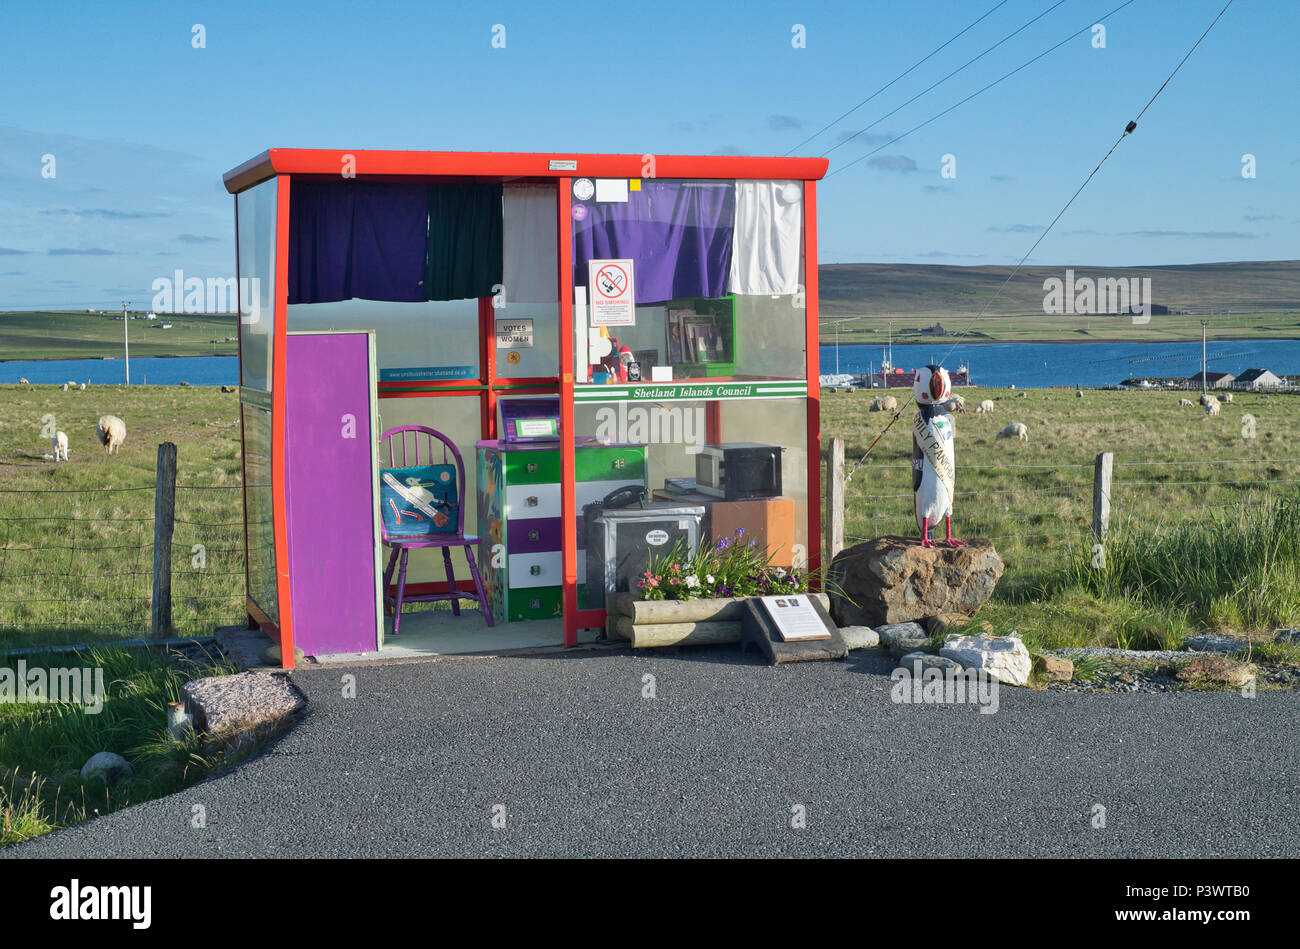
1255	379
1213	380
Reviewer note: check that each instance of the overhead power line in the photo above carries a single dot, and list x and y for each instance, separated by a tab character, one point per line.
901	75
1128	130
947	77
981	90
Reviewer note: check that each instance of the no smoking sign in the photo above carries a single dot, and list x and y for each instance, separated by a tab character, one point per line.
612	296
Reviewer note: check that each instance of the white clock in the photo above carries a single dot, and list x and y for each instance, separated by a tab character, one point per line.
583	189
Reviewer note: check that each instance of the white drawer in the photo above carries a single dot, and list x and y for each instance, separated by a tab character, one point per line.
535	570
532	500
550	569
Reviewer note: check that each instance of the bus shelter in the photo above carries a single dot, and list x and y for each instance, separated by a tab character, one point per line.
590	332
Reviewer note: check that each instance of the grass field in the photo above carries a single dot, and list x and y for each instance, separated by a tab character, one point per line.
75	565
1186	486
53	335
43	746
76	559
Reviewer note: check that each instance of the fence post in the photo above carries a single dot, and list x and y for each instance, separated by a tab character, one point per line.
164	514
1101	494
835	498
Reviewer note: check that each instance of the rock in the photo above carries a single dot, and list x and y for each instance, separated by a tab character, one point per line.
1213	642
1216	672
1005	658
908	644
229	708
859	637
271	655
107	767
1288	636
902	638
1053	669
894	579
928	661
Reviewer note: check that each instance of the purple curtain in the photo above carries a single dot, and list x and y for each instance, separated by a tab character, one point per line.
359	239
678	235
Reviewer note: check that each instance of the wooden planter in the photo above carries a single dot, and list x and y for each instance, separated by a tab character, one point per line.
650	623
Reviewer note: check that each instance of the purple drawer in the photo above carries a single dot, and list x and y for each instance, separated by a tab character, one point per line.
533	535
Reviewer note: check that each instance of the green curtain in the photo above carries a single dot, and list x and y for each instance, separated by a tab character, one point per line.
463	259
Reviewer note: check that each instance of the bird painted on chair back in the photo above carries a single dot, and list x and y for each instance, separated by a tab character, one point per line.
934	459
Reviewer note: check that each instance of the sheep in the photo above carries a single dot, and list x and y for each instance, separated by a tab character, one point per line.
1226	399
956	404
1188	403
112	432
1212	408
1022	395
83	387
65	387
1015	430
886	404
1078	393
23	381
60	445
1206	398
984	408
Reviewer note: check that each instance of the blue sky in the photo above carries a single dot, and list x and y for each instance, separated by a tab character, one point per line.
142	125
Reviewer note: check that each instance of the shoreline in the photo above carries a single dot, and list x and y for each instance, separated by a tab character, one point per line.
1062	342
113	358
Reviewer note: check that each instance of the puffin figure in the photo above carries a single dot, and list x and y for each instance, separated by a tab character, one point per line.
934	459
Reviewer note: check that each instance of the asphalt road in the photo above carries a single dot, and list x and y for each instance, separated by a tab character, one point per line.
716	763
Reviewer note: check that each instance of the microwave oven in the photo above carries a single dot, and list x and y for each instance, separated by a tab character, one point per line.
738	471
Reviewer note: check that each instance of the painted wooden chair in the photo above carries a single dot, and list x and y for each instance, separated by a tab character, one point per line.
423	502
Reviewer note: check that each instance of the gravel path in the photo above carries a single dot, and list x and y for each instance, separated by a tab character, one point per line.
713	765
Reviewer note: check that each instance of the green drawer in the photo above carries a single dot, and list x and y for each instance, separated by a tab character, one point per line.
611	463
532	467
534	603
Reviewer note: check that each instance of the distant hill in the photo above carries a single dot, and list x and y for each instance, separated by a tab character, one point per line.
1263	298
940	290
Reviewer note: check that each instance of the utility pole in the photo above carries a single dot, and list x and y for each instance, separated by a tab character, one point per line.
1204	323
126	340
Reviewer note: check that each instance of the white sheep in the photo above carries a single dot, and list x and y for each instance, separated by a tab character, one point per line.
1206	398
1212	408
886	404
956	404
23	381
65	387
984	408
1226	399
1015	430
1185	403
60	445
112	432
83	387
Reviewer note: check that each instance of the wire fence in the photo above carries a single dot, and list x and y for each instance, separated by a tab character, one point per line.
78	565
1042	515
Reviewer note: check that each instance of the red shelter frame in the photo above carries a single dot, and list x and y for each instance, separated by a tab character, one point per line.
284	163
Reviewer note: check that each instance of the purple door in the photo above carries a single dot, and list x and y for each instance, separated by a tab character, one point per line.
329	448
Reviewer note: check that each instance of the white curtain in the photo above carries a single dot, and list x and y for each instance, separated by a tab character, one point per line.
531	266
767	244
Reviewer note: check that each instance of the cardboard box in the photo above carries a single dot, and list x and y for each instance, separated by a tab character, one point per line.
767	522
